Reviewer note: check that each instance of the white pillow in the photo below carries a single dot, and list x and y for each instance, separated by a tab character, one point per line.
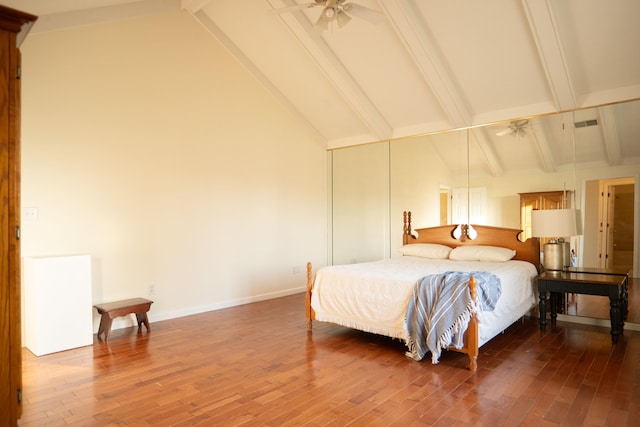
426	250
482	253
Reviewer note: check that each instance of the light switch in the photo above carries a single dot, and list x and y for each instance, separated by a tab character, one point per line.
30	214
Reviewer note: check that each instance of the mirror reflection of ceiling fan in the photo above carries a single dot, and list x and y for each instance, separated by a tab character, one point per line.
338	11
516	128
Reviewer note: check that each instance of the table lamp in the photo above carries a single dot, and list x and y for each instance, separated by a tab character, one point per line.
555	224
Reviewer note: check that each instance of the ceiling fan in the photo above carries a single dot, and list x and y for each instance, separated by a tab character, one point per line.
516	128
337	11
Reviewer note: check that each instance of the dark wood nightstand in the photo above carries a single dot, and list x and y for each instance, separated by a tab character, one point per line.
624	272
588	283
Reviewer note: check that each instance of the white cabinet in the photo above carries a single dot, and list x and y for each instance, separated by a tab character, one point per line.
57	303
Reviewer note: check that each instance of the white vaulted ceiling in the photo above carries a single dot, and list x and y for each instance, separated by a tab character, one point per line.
427	66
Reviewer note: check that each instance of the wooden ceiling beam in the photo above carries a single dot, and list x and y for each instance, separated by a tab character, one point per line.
552	58
610	135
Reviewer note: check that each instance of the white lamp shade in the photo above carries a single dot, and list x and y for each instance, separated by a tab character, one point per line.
553	223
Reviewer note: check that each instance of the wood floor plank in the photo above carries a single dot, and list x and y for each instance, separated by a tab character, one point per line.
255	365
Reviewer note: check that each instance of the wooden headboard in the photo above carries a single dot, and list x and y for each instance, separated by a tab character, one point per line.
487	235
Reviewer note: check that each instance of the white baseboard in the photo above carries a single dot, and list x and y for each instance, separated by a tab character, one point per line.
129	321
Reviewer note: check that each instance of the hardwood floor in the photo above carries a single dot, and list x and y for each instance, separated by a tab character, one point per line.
256	365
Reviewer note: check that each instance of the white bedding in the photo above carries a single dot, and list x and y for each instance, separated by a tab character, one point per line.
373	296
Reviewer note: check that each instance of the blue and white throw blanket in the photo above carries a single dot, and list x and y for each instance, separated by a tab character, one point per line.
441	307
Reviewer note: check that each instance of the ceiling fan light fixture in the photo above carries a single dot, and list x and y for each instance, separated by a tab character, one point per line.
340	11
330	13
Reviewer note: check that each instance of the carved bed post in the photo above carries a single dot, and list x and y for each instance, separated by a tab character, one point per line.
406	227
309	310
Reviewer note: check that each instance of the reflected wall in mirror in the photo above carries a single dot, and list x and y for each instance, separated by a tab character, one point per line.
360	203
417	175
560	152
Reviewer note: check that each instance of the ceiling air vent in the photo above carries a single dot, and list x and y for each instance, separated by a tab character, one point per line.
586	123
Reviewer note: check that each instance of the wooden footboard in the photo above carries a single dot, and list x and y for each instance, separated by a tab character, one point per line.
470	347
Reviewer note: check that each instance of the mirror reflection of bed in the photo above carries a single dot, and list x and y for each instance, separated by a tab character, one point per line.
373	183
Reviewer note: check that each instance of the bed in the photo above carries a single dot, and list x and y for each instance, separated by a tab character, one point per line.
376	296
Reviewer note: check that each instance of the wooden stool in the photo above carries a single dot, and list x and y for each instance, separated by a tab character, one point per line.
110	310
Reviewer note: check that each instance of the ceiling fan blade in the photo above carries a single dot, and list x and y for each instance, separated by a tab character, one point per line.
342	19
363	12
323	21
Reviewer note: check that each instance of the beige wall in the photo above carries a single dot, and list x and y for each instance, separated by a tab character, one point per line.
147	146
